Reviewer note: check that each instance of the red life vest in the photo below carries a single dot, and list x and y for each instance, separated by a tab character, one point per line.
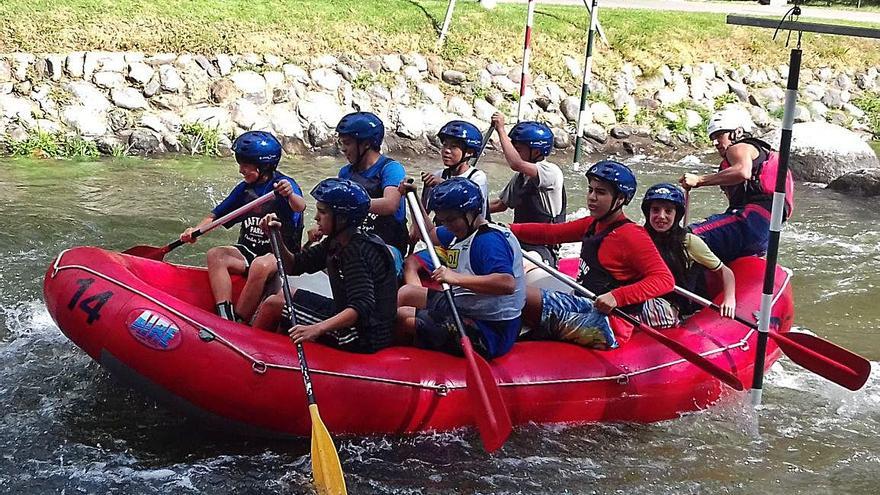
760	187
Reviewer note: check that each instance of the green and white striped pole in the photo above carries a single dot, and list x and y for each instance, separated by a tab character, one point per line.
585	87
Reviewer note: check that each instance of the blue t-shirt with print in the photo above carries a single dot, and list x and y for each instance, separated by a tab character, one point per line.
490	253
384	173
251	235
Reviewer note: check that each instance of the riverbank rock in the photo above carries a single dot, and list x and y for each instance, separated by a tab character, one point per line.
861	182
822	152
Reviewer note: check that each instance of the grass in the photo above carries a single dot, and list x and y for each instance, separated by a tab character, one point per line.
297	30
44	144
200	139
870	104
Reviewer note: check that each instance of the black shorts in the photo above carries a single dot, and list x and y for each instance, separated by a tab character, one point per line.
436	329
310	308
249	256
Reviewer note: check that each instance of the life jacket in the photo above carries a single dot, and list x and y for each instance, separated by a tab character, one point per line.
533	210
591	274
376	332
251	236
760	187
487	307
387	227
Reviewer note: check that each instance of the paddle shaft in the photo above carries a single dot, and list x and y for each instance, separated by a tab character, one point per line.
483	146
274	239
420	222
326	468
225	218
701	362
783	339
492	418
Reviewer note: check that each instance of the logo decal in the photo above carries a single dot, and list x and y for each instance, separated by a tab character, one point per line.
154	330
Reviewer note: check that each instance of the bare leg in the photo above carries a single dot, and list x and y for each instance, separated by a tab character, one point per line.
269	313
411	267
261	270
223	262
532	311
412	295
405	326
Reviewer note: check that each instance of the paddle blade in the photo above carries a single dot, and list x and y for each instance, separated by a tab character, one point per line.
824	358
490	414
699	361
148	252
326	469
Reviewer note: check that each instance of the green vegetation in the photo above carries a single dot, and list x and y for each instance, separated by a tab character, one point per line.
870	104
297	30
44	144
200	139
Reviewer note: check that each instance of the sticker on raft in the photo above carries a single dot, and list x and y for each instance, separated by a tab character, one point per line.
154	330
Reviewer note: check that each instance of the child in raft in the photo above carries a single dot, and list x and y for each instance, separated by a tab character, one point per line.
361	270
257	154
664	206
484	268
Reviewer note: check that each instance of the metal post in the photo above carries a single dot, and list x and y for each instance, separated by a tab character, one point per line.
449	9
527	53
794	70
585	86
784	155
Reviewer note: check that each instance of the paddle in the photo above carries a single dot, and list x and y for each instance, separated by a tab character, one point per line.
704	364
326	469
818	355
490	414
158	253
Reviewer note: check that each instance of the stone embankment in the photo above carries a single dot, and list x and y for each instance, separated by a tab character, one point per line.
135	103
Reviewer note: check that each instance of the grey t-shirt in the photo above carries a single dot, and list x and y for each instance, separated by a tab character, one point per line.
549	186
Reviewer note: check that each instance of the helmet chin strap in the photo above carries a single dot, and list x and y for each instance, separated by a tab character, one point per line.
361	154
613	209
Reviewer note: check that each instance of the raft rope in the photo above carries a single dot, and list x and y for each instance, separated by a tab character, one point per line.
207	334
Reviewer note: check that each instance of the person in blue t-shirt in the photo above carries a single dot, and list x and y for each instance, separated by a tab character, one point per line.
257	154
360	138
485	269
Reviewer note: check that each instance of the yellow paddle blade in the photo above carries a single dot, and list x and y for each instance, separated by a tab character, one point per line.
326	469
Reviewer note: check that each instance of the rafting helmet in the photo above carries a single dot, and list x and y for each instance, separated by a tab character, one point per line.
457	193
465	131
535	135
345	198
665	192
617	174
363	126
258	148
729	119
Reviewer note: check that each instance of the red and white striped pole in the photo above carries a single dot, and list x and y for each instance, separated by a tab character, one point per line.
527	53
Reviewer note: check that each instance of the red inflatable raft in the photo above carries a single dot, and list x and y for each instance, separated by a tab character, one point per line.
151	324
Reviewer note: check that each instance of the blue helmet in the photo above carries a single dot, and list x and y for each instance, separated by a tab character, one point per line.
666	192
618	174
535	134
345	198
467	132
457	193
363	126
258	148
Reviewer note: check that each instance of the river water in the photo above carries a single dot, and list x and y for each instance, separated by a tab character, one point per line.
68	427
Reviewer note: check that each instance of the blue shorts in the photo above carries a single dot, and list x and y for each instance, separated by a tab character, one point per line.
398	261
744	232
574	319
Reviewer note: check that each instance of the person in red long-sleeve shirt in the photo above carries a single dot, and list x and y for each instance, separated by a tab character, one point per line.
619	263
